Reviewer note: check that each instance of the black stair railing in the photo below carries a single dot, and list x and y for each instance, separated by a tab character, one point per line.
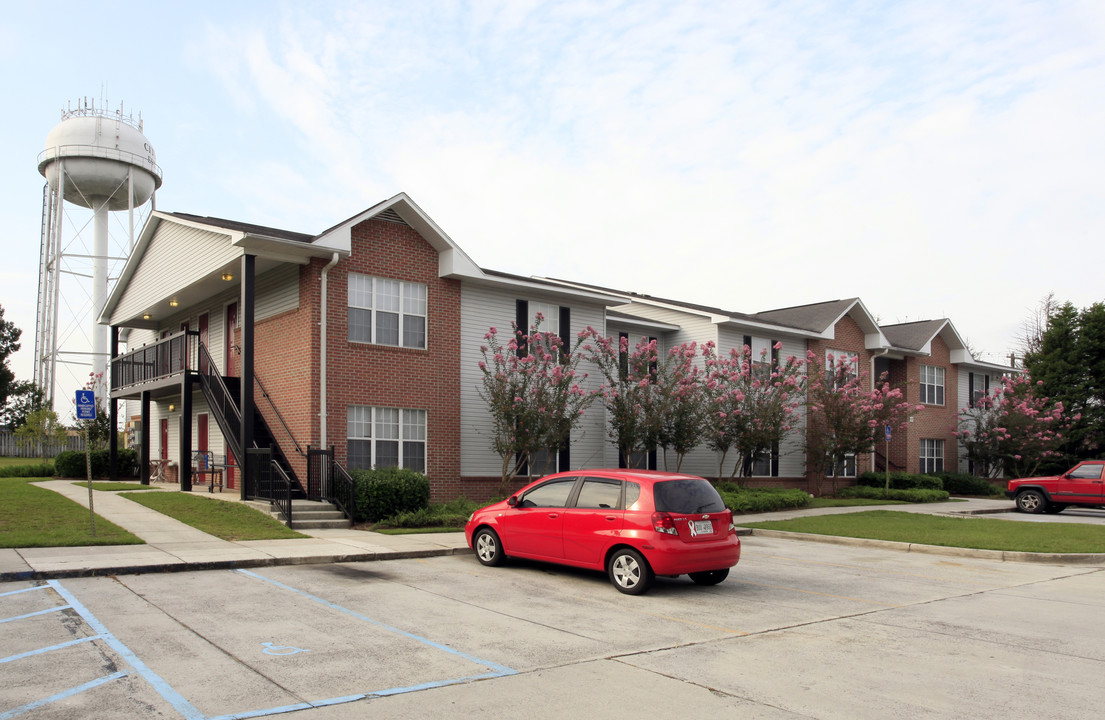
228	416
267	480
287	431
328	480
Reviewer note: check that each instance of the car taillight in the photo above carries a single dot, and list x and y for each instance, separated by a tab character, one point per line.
663	523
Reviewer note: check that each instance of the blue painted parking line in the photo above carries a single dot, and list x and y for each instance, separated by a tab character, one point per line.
498	670
47	611
39	651
15	712
185	708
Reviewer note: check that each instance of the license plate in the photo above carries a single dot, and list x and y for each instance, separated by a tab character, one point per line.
701	527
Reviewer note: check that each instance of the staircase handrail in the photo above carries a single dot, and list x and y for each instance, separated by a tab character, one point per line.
265	395
219	398
282	498
343	490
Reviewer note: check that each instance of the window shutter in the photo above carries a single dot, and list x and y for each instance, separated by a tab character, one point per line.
565	329
564	457
748	342
623	358
775	459
521	320
970	389
774	354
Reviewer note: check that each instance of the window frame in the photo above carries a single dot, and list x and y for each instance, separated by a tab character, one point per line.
405	440
408	307
932	392
931	455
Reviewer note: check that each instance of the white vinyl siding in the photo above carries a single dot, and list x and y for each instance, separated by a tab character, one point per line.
483	307
176	257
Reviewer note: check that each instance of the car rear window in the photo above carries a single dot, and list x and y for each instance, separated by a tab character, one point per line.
689	495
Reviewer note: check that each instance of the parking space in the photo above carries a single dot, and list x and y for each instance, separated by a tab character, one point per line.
798	630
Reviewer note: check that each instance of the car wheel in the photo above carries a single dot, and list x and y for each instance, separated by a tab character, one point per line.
629	571
488	547
710	577
1031	501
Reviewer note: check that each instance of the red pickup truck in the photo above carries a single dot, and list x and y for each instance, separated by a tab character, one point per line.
1082	485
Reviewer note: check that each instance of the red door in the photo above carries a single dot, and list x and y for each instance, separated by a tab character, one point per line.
201	432
164	438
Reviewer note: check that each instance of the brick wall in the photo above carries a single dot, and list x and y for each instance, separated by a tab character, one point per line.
935	421
849	338
382	376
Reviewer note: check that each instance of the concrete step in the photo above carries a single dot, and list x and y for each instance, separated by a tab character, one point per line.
307	514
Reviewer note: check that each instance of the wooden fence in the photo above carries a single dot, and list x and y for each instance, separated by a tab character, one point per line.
11	447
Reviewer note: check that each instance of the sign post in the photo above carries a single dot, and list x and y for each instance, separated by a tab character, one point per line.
887	459
86	410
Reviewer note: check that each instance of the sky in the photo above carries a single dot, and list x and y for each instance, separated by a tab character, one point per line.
935	159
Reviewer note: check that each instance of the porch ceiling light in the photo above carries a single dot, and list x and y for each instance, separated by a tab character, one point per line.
172	407
173	303
145	316
228	277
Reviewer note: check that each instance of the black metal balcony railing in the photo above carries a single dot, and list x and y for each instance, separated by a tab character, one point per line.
156	361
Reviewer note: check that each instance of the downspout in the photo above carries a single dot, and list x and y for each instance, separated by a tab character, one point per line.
322	352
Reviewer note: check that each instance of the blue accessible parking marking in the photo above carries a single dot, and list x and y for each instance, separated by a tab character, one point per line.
185	708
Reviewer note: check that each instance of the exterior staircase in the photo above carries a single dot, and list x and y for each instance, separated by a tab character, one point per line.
308	514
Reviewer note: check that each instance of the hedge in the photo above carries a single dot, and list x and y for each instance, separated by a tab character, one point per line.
755	500
901	481
912	495
390	491
42	470
72	463
964	484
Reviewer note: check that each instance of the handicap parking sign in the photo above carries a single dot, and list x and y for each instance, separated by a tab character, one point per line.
86	405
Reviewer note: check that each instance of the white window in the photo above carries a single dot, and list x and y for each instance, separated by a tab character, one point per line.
932	385
383	437
847	470
932	455
839	359
386	312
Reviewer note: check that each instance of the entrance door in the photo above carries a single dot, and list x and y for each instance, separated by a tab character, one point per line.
164	438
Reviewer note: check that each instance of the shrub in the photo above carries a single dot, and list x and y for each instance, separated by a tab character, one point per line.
964	484
72	464
385	492
748	500
43	469
900	481
915	495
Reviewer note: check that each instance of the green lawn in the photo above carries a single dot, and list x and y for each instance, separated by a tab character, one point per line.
227	520
31	516
981	533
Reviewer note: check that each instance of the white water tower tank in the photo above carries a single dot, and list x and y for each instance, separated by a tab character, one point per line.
102	153
97	159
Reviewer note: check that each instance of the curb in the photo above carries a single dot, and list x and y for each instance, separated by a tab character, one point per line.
17	575
1002	555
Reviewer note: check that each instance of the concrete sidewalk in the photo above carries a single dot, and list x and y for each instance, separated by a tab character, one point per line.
173	546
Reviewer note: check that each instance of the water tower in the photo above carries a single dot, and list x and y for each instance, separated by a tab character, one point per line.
100	160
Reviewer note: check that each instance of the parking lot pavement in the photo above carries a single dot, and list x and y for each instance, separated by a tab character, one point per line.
799	630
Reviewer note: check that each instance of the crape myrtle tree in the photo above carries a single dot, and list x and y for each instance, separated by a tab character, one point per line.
685	407
534	393
633	398
1012	430
751	404
842	417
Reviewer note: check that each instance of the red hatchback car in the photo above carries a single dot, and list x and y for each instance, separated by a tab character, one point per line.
632	524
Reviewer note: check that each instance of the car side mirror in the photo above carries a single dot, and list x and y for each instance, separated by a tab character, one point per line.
513	501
